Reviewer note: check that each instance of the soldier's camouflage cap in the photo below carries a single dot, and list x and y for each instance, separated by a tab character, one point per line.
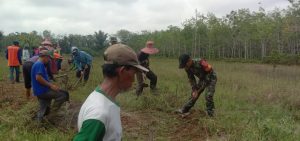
121	54
183	59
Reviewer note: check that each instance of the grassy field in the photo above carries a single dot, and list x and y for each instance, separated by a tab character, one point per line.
253	102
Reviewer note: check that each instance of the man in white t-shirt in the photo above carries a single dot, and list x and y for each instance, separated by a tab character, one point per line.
25	54
99	116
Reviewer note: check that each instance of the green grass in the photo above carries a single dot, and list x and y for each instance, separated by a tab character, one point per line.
253	102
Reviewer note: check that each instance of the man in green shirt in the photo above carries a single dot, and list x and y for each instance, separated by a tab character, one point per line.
99	116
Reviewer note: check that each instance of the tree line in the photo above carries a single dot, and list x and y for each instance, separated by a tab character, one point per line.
242	34
90	43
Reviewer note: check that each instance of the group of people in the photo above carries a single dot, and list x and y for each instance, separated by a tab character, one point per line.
38	72
99	116
16	56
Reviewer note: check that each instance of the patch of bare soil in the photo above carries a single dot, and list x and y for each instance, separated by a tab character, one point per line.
147	124
66	118
189	127
139	124
12	95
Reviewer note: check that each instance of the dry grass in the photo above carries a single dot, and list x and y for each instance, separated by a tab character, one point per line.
253	102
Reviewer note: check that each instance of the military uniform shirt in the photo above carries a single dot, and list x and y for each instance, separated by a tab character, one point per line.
198	71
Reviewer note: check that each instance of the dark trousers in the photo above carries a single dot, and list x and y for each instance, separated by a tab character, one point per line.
45	102
140	86
11	75
208	85
59	61
26	69
50	73
86	73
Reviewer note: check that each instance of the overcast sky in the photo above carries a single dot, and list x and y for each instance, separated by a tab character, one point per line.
87	16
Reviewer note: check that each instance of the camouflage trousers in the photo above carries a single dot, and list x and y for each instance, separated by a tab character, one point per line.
209	86
140	81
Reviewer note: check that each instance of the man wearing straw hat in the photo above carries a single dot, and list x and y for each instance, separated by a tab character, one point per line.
143	57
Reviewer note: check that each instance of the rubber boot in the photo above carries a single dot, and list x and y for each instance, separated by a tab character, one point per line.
28	93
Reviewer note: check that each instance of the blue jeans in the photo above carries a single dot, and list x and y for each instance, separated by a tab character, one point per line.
11	75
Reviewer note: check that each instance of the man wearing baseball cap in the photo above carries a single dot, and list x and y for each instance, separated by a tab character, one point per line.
43	89
199	68
99	116
83	63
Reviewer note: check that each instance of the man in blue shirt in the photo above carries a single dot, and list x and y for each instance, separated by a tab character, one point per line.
43	89
26	69
83	62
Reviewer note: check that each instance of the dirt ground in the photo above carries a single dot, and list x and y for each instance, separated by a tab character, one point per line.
146	124
134	124
13	96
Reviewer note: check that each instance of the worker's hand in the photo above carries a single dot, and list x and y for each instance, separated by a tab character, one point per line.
54	87
195	94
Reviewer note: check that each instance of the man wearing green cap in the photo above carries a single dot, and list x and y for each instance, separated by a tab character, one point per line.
43	89
207	80
99	116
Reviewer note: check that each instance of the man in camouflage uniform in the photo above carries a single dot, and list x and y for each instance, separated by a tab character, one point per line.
207	80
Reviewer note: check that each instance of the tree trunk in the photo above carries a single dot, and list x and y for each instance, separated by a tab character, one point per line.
240	52
278	43
233	49
245	50
263	50
199	45
209	49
